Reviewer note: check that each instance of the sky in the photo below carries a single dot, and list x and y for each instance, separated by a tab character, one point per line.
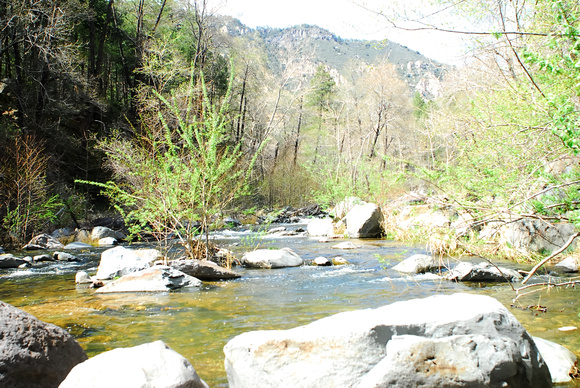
345	18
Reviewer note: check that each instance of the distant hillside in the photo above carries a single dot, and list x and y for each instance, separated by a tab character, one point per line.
313	45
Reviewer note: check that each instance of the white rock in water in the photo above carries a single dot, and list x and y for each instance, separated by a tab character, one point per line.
271	258
82	277
345	245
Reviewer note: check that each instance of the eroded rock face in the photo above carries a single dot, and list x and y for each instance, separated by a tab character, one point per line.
34	354
271	258
149	365
453	341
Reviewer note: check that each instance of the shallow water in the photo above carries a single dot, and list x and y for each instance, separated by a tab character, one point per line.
198	323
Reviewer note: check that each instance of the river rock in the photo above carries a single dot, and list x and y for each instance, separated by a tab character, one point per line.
100	232
203	269
78	245
8	260
107	241
482	272
82	277
320	227
533	235
364	221
418	264
155	279
459	340
44	257
271	258
121	261
34	354
43	241
569	264
322	262
560	360
339	260
2	251
63	256
149	365
345	245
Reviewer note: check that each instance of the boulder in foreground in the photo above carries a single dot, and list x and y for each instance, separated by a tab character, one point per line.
34	354
459	340
149	365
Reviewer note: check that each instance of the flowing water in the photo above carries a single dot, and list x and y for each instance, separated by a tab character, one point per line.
198	323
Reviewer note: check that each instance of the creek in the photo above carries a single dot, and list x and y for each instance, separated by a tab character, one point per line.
198	323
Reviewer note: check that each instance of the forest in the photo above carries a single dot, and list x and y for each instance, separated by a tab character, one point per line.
148	109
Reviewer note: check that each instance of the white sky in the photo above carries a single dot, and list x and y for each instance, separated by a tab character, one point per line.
345	18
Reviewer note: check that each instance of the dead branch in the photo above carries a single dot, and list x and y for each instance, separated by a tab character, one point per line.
562	249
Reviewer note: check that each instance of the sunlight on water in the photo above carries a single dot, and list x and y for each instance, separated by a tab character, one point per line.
198	323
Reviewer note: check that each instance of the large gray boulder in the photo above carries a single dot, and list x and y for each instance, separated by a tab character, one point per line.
203	269
459	340
418	264
155	279
534	235
34	354
100	232
482	272
121	261
145	366
364	221
8	260
271	258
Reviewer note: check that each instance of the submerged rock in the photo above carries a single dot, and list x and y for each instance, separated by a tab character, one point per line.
155	279
459	340
34	354
203	269
78	245
149	365
482	272
271	258
345	245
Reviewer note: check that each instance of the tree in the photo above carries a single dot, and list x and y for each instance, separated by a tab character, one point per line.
167	181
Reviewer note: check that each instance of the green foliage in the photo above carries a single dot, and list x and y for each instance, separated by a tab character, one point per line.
167	180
